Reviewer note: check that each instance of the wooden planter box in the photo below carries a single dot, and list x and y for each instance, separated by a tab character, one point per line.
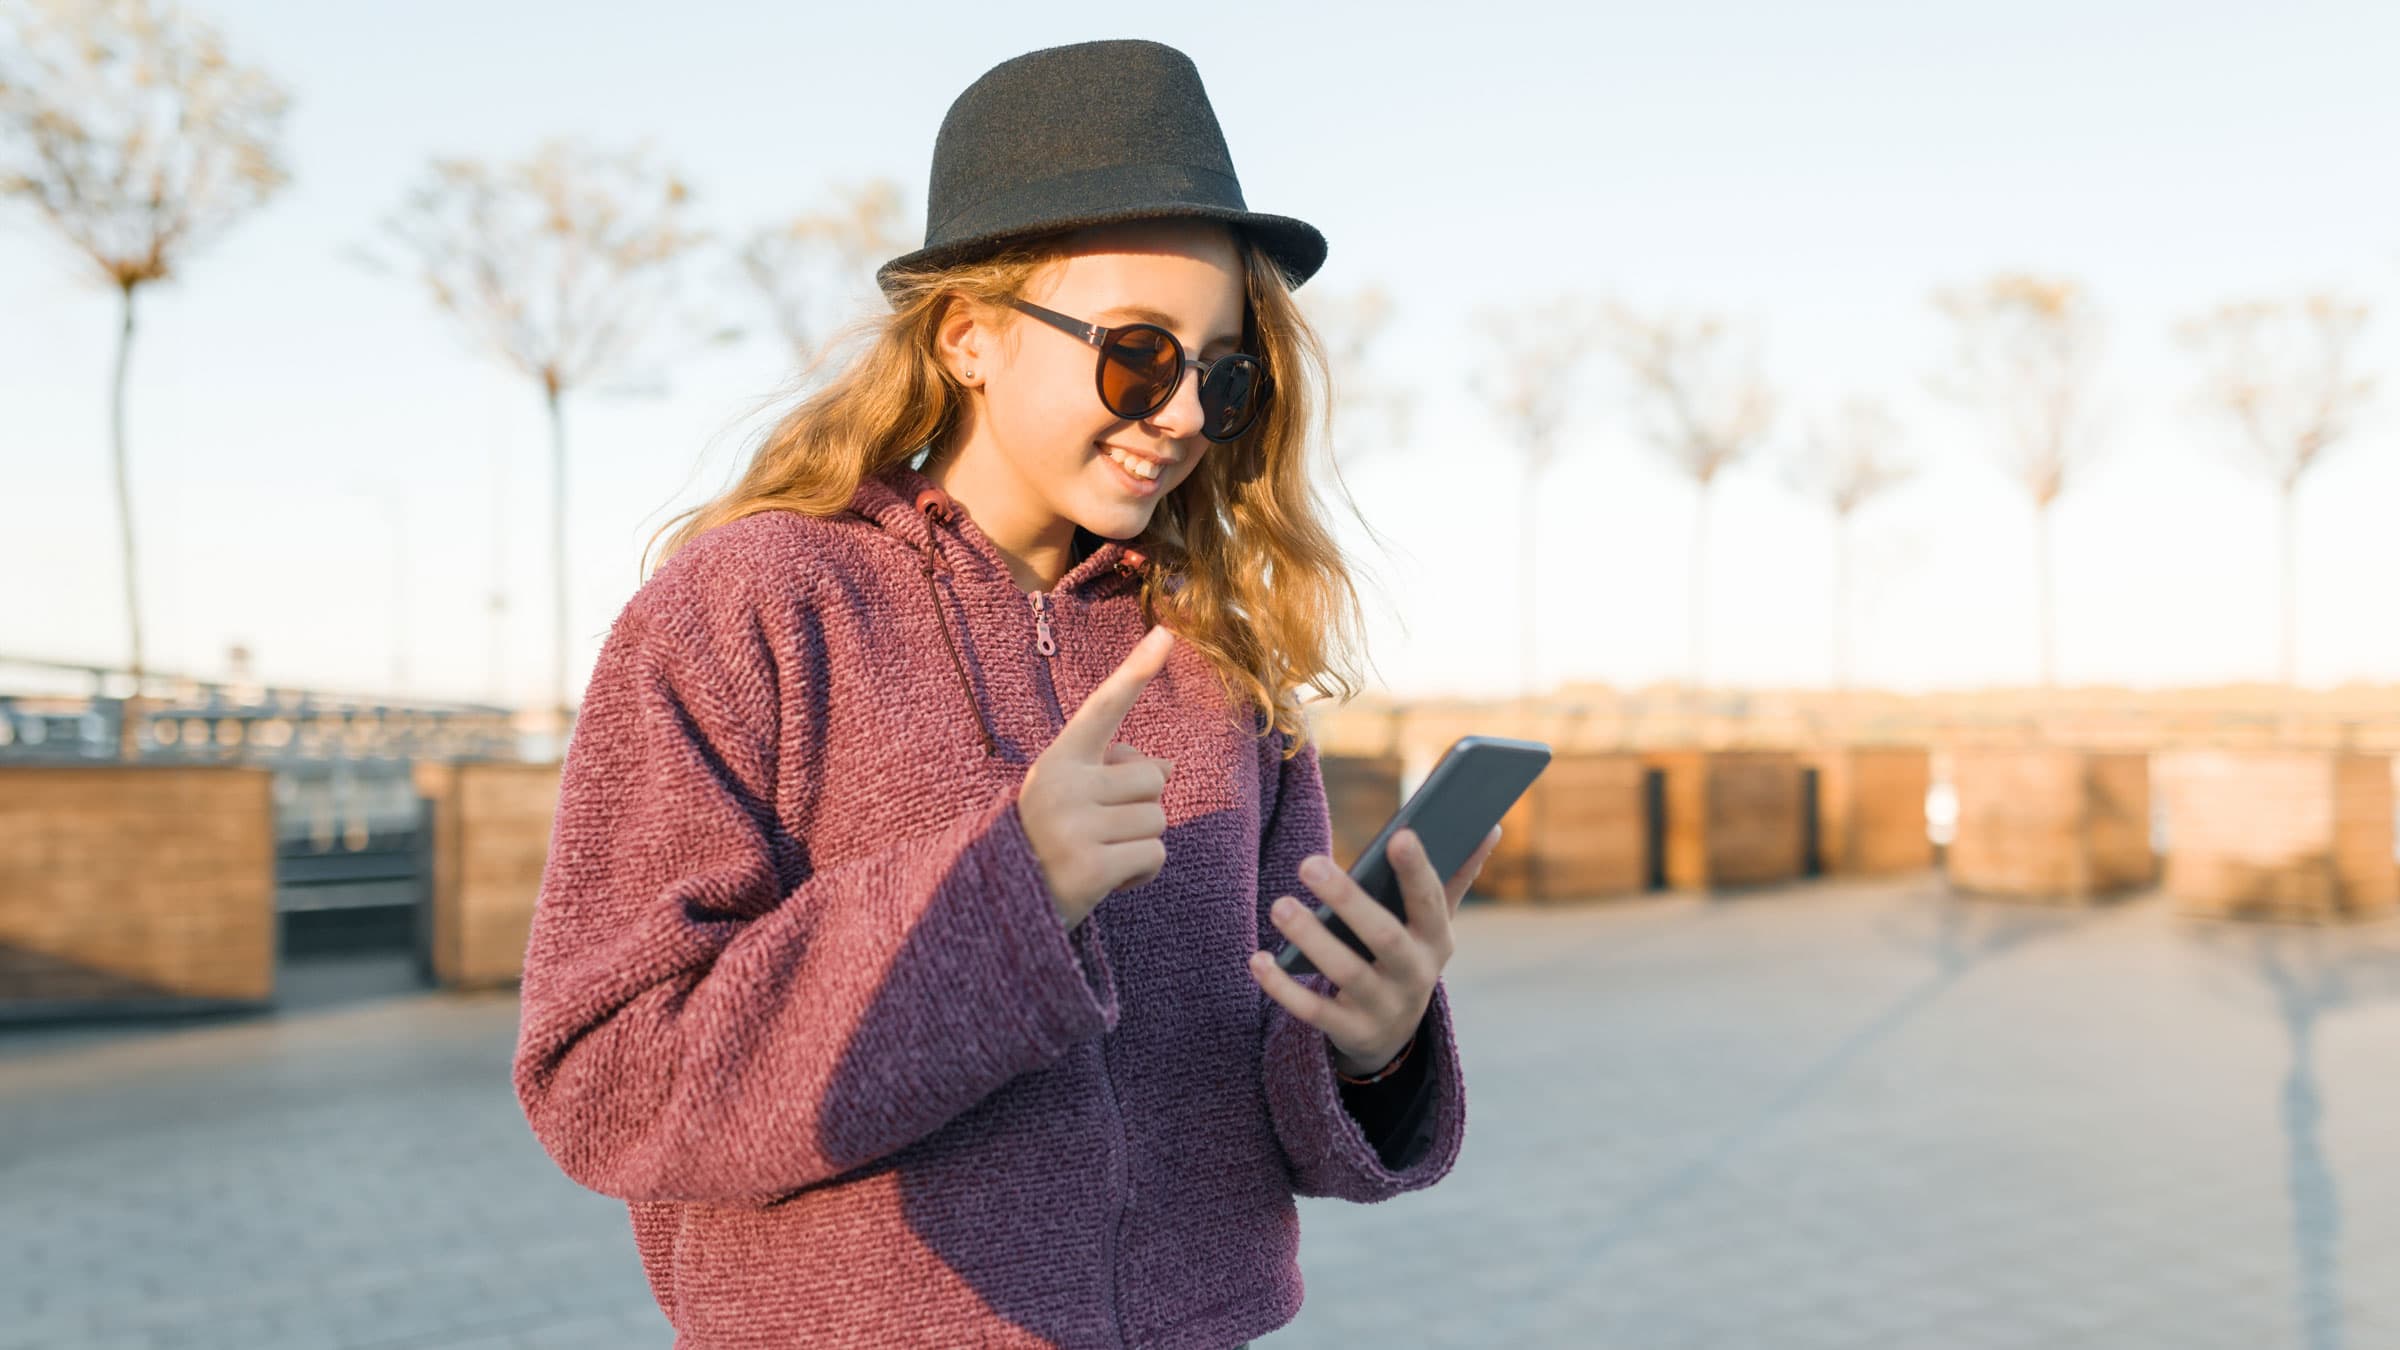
1580	832
136	887
1361	792
1871	810
2051	824
2279	834
491	835
1733	817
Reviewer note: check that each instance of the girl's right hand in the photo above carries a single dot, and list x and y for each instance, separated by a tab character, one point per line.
1090	803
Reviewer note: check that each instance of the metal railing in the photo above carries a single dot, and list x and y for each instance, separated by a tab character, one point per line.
187	720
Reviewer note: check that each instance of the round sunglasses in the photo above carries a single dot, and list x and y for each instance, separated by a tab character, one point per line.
1141	366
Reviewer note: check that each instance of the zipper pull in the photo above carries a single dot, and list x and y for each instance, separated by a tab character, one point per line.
1043	642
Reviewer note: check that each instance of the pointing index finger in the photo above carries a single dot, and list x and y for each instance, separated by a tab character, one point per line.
1094	723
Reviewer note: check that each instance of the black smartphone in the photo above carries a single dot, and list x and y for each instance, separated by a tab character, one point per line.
1469	789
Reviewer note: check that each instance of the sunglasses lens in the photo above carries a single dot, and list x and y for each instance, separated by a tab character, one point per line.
1137	369
1229	398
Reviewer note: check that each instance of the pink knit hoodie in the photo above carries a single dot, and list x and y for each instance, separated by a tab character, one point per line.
797	992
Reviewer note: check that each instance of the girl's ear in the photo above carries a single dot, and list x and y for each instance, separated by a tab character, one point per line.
960	333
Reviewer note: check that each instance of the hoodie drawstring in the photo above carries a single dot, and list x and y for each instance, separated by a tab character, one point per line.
937	503
934	561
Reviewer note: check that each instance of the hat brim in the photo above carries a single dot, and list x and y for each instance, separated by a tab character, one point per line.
1295	245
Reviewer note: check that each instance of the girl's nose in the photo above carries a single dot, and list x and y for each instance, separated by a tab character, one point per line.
1181	418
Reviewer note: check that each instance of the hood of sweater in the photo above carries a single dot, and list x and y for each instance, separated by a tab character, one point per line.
913	509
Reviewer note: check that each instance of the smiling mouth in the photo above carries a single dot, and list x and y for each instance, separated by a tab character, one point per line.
1148	470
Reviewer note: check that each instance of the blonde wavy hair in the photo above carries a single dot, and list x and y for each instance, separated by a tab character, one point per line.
1264	592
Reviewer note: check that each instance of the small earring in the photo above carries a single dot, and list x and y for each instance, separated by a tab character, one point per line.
970	374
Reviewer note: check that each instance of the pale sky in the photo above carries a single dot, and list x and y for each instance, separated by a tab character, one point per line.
1815	169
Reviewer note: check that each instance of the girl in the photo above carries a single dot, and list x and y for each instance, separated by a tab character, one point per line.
901	950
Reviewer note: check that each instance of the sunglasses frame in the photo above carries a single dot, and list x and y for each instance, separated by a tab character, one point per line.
1099	338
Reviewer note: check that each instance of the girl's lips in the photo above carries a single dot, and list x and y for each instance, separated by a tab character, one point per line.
1163	464
1139	487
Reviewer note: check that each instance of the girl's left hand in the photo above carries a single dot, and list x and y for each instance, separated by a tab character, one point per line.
1378	1004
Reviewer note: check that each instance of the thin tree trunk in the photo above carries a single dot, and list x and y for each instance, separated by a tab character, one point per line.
2291	589
558	559
129	744
1528	571
497	603
393	511
1699	588
1841	600
2043	601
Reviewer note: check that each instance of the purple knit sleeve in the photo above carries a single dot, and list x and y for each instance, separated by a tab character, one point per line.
1327	1148
693	1028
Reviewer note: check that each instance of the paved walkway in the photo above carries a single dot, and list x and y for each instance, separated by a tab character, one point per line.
1817	1117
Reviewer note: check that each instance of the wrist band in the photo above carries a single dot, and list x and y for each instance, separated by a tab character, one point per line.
1386	1071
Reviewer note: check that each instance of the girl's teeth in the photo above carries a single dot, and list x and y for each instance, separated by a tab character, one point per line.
1137	467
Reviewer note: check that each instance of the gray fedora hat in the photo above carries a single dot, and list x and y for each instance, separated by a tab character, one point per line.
1087	134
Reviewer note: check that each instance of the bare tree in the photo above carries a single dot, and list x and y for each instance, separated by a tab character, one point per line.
1701	401
1532	384
1352	325
2283	372
2025	354
386	496
568	266
1848	461
815	269
135	137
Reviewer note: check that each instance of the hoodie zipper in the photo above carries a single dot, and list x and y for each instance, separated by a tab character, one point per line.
1116	1186
1045	642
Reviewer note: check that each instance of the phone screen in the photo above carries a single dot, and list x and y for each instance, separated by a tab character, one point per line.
1468	790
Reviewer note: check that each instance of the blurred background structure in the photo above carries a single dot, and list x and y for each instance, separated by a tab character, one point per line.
1968	871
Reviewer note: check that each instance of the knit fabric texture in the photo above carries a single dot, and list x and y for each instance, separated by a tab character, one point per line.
797	992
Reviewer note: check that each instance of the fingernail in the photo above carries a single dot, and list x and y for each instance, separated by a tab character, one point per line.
1313	868
1285	906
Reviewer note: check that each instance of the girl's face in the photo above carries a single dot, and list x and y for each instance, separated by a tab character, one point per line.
1040	409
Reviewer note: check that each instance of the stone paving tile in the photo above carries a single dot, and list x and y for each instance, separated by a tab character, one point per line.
1957	1122
1835	1115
